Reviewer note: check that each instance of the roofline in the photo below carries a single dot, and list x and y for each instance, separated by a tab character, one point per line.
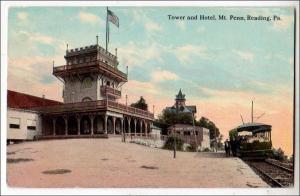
33	96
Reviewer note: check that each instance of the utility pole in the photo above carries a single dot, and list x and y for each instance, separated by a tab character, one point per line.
242	119
174	136
252	112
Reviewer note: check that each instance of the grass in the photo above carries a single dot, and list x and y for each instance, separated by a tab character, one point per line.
148	167
57	171
18	160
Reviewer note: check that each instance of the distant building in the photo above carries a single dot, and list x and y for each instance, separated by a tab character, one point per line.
23	122
155	132
188	133
192	135
180	106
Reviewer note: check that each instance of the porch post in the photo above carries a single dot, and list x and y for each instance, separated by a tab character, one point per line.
122	129
66	124
54	123
141	127
114	125
134	127
105	124
92	117
128	122
78	117
146	128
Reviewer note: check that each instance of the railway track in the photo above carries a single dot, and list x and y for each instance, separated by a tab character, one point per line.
275	174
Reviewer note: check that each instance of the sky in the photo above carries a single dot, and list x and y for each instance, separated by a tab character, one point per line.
221	66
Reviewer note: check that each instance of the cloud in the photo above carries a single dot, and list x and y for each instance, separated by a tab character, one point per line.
152	27
24	43
284	23
42	38
162	75
185	54
22	16
35	68
89	18
142	18
137	54
181	25
244	55
138	88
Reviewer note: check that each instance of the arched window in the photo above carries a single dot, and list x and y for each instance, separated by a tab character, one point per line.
86	99
87	82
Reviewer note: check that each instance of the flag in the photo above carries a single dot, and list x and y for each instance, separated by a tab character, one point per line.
113	18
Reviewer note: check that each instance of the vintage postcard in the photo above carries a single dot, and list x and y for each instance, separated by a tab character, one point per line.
124	95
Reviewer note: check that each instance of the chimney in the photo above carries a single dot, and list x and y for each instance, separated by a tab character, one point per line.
43	96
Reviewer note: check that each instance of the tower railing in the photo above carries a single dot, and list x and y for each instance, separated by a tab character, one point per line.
96	63
109	90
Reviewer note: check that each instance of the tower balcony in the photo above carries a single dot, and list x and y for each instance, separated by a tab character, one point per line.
109	91
96	66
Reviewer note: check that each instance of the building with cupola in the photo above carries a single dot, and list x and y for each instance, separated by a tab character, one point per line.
190	134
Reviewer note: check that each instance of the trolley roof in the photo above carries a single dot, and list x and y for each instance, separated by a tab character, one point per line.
253	127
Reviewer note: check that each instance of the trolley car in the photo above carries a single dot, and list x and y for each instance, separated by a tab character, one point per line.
251	140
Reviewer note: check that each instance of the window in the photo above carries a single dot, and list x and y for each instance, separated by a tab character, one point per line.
86	99
31	124
108	83
87	82
14	123
186	133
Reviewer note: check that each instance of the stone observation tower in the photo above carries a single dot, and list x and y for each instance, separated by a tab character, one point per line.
91	73
92	87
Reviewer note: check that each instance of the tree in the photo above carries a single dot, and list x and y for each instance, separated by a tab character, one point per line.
278	154
140	104
214	131
170	117
219	141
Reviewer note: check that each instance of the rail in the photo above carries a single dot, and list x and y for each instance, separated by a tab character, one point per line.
109	90
275	174
94	105
96	63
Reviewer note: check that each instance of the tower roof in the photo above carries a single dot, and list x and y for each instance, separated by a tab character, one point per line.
180	96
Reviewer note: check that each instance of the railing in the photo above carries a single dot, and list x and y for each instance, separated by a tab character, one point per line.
94	105
96	63
130	110
66	107
108	90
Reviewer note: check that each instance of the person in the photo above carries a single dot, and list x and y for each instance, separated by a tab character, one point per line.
233	146
227	148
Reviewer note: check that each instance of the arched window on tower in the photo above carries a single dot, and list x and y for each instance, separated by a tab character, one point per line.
87	82
86	99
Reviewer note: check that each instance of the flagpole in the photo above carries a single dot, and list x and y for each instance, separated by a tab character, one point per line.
106	27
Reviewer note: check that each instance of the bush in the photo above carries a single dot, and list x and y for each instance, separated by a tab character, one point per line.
206	150
169	144
188	147
278	154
